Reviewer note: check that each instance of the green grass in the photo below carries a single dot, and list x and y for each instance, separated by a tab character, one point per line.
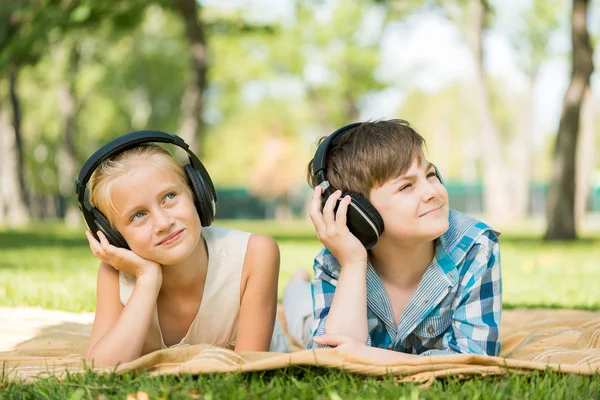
304	383
52	267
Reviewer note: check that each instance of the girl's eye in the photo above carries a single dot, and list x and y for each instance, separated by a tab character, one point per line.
170	196
432	173
405	187
137	215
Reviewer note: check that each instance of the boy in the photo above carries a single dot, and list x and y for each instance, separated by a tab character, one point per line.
429	283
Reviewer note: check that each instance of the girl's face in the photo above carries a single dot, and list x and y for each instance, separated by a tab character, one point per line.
155	213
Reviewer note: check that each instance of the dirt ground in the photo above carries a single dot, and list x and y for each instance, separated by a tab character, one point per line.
23	323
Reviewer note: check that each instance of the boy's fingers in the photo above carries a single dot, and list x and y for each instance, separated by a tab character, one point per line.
328	215
315	210
329	340
342	212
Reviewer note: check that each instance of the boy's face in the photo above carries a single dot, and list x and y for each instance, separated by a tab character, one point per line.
152	204
414	206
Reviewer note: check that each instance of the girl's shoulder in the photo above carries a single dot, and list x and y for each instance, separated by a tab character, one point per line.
227	240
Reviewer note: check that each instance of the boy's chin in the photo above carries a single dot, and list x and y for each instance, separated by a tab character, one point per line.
435	232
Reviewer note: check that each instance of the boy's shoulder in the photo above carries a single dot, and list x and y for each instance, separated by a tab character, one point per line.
464	232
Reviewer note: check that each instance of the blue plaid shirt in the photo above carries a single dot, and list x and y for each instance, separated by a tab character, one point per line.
454	310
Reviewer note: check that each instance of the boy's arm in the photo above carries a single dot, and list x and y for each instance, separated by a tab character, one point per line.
476	320
258	292
340	304
338	308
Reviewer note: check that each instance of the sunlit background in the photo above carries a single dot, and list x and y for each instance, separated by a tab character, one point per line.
253	84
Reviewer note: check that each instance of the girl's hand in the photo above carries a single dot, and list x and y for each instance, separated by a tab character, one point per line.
122	259
332	230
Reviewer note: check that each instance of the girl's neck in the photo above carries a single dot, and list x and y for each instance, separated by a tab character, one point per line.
190	273
402	265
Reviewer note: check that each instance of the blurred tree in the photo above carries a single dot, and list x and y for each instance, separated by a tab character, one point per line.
192	105
586	156
472	17
537	24
31	29
561	198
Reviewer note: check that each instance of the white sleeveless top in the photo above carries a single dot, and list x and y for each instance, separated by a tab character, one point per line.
217	320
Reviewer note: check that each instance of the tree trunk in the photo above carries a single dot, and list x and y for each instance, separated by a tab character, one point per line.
14	211
586	156
192	104
496	198
18	143
523	150
560	208
67	108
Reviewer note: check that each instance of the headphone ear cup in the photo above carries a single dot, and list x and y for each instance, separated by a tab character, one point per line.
363	220
203	199
437	172
114	237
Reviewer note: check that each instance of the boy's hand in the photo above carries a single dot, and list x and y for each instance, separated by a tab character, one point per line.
122	259
332	230
346	344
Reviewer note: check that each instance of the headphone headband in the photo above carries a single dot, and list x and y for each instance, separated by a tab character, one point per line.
131	140
320	159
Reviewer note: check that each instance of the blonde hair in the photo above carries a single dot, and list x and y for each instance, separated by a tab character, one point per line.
116	167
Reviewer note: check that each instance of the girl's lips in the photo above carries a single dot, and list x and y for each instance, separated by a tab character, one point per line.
171	238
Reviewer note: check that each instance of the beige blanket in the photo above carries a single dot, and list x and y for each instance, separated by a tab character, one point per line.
565	340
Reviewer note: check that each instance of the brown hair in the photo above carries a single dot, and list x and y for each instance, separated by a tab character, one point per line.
116	167
369	155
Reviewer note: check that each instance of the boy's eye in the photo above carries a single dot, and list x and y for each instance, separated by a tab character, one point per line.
405	187
432	173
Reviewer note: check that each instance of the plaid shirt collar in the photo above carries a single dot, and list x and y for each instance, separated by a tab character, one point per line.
437	281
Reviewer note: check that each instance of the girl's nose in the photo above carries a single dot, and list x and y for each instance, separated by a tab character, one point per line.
162	220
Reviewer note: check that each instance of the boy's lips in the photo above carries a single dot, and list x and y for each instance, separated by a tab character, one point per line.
431	211
171	236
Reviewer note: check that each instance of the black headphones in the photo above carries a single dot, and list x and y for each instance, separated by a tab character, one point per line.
203	191
362	219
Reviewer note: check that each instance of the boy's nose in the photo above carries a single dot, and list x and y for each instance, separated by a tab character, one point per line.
429	192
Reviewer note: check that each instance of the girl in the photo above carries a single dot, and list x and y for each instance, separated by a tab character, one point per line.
180	283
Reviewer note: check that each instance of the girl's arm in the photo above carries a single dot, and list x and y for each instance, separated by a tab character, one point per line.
118	333
258	294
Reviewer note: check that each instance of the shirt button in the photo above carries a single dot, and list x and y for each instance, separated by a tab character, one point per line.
430	329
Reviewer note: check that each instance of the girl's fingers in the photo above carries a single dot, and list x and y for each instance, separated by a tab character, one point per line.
103	240
340	215
328	215
315	210
94	245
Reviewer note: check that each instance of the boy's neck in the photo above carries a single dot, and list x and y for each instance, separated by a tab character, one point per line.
402	265
189	274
